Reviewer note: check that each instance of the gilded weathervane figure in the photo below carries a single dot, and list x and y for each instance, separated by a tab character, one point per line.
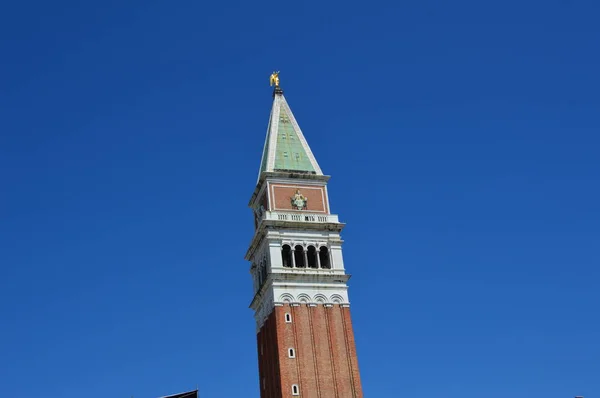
275	79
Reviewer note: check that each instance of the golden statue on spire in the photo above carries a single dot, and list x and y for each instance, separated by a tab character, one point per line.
275	79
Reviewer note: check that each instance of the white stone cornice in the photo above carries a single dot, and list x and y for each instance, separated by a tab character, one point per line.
296	181
264	308
258	193
295	295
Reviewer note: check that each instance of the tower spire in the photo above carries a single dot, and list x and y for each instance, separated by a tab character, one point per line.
301	305
285	148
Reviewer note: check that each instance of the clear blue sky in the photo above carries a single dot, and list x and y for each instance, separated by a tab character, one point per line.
462	141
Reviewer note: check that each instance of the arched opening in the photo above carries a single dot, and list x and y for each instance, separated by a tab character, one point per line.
295	389
286	256
324	258
299	256
312	257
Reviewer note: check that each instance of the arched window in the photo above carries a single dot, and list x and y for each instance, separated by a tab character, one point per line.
299	256
324	257
312	257
295	389
291	353
286	256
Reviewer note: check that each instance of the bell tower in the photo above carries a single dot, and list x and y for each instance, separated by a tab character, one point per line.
304	330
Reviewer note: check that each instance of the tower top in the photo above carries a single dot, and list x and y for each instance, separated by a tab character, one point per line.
274	80
285	147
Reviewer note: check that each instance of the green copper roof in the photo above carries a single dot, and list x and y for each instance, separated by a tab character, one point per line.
289	155
285	146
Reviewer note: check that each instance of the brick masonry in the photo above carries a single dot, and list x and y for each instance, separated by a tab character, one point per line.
281	197
325	363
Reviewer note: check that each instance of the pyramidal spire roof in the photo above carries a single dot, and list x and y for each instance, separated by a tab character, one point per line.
285	147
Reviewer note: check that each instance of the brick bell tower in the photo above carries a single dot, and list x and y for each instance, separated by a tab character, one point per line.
304	331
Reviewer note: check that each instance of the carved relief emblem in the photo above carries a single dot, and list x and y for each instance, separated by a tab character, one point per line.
299	201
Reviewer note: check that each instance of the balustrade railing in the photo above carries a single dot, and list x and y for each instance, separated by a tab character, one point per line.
300	217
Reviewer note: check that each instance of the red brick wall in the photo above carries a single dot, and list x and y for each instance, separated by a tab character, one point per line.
351	353
306	358
325	366
281	197
268	359
322	348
